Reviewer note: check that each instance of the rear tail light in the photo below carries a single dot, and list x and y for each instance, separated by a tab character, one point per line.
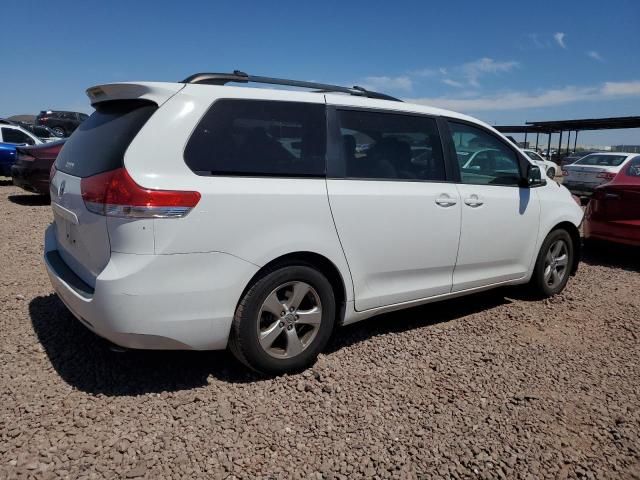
115	194
606	175
565	173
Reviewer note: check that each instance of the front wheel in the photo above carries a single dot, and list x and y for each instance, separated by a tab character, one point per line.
551	173
284	320
553	265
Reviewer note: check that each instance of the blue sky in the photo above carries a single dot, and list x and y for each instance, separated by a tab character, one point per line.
501	61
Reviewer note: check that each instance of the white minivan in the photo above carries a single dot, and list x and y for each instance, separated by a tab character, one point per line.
198	215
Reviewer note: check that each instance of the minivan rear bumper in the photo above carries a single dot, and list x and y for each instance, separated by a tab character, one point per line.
159	302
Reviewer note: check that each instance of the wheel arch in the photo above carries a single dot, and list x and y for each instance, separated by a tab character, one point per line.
312	259
574	233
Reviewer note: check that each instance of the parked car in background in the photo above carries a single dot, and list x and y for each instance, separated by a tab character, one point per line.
573	158
33	166
61	122
273	228
10	136
43	133
10	133
547	166
583	176
613	214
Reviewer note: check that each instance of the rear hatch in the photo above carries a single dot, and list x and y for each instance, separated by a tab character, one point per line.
97	146
586	175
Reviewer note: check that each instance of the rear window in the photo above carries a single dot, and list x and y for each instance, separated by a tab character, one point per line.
602	160
99	143
256	137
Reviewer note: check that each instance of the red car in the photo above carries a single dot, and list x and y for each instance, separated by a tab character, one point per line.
32	167
613	214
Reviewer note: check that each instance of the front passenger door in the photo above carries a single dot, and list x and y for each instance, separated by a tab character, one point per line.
499	217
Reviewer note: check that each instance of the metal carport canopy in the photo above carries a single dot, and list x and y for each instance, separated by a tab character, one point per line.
587	124
554	126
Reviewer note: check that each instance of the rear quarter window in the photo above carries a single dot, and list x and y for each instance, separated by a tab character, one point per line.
259	138
99	143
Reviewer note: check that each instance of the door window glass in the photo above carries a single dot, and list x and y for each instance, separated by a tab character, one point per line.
12	135
390	146
483	158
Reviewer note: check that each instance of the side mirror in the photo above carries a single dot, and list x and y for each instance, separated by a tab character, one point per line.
534	176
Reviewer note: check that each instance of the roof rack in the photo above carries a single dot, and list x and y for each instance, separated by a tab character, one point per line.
241	77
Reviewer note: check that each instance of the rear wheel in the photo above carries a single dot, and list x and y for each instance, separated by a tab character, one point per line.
551	172
553	265
284	320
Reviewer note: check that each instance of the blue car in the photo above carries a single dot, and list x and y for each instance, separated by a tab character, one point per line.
7	158
11	136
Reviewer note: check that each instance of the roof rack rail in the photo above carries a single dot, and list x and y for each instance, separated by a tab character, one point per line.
241	77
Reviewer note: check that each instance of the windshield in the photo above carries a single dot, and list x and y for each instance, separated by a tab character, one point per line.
534	156
601	160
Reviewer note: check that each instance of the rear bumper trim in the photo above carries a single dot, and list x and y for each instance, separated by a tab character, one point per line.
67	275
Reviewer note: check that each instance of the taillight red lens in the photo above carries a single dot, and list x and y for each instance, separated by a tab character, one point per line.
565	173
606	175
116	194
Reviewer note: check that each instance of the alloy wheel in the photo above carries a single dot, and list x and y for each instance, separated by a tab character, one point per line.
289	319
556	263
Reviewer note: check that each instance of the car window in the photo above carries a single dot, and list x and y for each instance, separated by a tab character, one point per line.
483	158
601	160
534	156
634	168
378	145
259	137
12	135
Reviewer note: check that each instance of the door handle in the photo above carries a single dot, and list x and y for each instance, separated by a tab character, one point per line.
445	200
473	201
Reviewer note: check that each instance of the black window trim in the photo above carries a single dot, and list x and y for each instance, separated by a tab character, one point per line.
206	174
522	161
336	165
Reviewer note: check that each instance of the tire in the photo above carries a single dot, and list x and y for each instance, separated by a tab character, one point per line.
551	173
543	282
262	337
59	131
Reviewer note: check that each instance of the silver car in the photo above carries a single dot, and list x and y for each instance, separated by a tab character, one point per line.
583	176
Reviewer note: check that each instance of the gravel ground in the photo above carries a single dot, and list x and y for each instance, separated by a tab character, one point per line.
491	386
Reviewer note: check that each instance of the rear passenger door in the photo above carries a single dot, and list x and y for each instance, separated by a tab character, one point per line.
397	218
500	217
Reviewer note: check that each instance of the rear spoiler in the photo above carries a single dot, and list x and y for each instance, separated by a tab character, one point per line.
156	92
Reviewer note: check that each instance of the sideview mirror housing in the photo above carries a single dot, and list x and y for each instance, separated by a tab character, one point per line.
534	176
